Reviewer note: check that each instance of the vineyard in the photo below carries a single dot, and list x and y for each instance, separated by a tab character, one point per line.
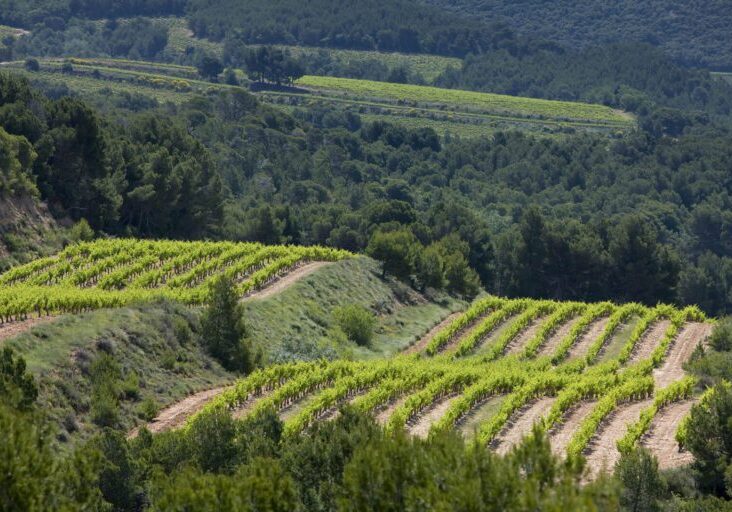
462	113
116	272
504	364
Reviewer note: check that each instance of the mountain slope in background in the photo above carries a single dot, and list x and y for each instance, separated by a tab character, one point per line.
694	32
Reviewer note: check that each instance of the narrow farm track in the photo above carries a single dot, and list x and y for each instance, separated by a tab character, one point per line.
517	344
496	333
421	426
602	452
580	348
691	335
287	280
521	423
245	408
649	341
469	424
12	329
552	343
175	416
425	340
464	333
383	415
661	436
561	435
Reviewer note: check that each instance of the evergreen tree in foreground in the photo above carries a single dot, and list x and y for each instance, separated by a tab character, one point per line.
223	330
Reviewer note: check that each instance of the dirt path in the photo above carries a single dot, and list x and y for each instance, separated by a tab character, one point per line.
422	343
382	416
691	335
649	341
421	427
561	435
603	452
13	329
496	333
595	329
245	408
661	436
175	416
287	280
516	345
520	424
552	343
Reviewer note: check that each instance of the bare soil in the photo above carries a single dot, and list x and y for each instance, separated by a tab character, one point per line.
421	426
245	408
382	416
496	333
661	436
649	341
13	329
469	424
516	345
427	338
594	330
175	416
691	335
287	280
561	435
602	452
462	334
552	343
521	423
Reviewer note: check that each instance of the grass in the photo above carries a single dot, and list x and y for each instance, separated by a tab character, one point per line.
142	339
297	323
469	426
617	341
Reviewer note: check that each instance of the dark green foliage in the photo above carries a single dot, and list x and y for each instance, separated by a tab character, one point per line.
356	322
689	32
721	338
105	375
118	472
222	327
397	25
397	251
710	440
17	386
642	485
265	63
209	67
34	477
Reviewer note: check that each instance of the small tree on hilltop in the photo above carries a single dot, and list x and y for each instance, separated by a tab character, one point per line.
224	332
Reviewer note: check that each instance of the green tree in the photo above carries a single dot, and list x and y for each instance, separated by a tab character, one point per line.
356	322
17	387
396	250
642	485
222	326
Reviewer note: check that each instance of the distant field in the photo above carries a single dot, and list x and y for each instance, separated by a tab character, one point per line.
459	113
727	77
416	95
428	66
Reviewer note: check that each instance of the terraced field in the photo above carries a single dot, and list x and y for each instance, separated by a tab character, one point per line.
488	373
462	113
115	272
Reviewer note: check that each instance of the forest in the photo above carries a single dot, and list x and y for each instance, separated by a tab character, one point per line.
201	196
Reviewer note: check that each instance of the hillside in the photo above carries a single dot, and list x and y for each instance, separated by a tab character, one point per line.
156	345
503	365
692	32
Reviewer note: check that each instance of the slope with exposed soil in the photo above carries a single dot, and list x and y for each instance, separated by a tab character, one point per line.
521	423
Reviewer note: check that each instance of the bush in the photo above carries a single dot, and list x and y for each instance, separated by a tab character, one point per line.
356	322
721	338
32	65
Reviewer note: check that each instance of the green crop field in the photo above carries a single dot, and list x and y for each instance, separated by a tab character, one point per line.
110	273
536	359
459	113
727	77
468	100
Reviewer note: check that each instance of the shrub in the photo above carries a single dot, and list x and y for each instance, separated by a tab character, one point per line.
356	322
721	338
